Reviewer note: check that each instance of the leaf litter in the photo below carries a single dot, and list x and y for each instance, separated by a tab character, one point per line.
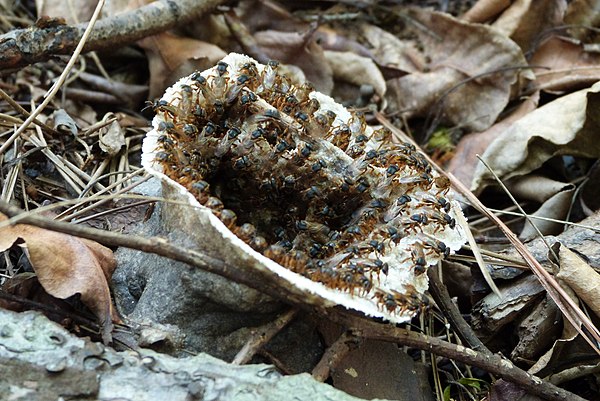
428	71
67	265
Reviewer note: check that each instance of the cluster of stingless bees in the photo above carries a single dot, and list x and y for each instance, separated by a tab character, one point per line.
303	181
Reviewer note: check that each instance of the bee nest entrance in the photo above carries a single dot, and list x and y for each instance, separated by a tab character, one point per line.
342	211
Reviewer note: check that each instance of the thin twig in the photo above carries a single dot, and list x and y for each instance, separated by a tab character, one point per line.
53	311
99	198
484	219
450	311
266	281
569	223
516	204
334	354
54	89
570	310
495	364
113	210
261	336
21	47
257	276
502	262
19	109
499	256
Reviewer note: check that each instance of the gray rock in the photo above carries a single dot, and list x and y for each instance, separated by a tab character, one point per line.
39	361
209	310
198	311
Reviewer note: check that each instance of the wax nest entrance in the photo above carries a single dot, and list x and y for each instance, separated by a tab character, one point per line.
303	186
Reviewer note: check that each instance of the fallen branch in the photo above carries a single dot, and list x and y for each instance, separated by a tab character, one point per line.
494	364
334	355
450	311
261	336
21	47
258	278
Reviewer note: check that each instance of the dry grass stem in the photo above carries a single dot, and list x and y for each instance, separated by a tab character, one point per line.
61	79
568	307
568	223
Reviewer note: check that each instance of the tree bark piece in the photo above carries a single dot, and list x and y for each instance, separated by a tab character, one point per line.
39	361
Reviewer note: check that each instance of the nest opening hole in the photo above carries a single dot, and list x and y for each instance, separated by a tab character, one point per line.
298	214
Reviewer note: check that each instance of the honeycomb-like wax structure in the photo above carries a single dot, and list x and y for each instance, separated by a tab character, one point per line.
343	211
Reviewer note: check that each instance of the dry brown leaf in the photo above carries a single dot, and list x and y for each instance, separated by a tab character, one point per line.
67	265
485	10
566	352
335	40
73	11
567	125
580	277
294	43
63	122
263	15
299	50
556	207
171	57
567	66
465	159
525	20
580	14
469	75
112	136
555	196
569	340
536	187
355	69
391	52
26	286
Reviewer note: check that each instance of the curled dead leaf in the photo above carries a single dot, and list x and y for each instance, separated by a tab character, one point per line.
567	65
484	10
580	276
392	52
524	20
355	69
537	188
112	136
555	196
567	125
67	265
64	123
465	159
171	57
556	207
463	61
